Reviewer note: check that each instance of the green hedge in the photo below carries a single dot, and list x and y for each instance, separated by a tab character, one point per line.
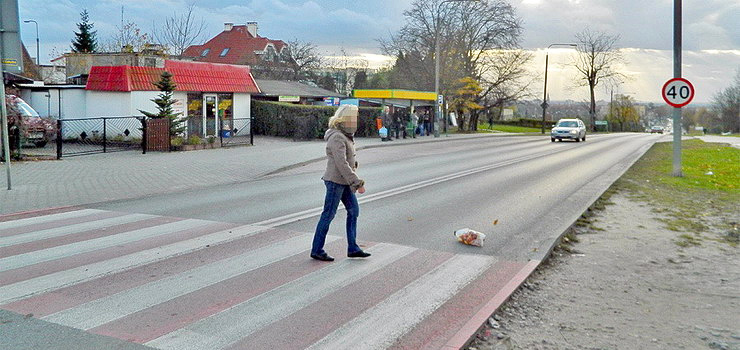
531	123
302	122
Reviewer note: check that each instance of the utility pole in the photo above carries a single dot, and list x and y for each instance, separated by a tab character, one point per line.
544	94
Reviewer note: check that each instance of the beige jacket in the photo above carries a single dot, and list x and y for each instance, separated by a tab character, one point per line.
341	163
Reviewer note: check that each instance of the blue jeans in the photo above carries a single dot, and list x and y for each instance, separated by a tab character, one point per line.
335	193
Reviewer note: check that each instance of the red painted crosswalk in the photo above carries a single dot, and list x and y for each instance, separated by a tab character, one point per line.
173	283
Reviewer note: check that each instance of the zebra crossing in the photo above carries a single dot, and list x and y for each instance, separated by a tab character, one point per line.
174	283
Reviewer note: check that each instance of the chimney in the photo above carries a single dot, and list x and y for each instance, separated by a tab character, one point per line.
228	26
252	28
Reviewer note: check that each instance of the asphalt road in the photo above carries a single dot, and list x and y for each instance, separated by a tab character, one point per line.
418	194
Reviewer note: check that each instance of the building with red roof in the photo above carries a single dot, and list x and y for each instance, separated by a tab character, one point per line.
211	96
238	44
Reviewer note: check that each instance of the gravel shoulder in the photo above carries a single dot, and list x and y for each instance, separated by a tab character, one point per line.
627	278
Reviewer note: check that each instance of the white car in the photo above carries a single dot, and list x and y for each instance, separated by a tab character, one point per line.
573	129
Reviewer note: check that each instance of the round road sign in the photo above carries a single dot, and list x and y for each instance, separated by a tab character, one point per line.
678	92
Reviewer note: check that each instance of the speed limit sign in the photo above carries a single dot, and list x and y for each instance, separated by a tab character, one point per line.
678	92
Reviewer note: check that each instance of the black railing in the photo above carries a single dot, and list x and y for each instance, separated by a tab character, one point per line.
100	135
236	131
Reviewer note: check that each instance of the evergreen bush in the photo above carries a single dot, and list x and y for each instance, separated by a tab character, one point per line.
303	122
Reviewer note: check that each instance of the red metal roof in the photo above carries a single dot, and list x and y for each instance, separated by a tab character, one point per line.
241	44
188	76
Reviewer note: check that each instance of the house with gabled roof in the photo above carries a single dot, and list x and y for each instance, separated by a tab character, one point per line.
238	44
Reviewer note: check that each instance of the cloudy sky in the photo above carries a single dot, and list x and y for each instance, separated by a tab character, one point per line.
711	34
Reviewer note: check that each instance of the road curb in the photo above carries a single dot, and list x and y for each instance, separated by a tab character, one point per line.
36	211
466	334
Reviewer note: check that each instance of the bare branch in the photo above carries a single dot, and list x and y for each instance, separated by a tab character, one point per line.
596	62
179	32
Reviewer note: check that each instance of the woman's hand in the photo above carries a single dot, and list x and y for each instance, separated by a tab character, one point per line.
361	190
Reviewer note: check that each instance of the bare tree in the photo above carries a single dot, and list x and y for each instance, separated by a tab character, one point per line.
302	58
727	106
472	37
179	32
504	79
345	68
596	62
129	38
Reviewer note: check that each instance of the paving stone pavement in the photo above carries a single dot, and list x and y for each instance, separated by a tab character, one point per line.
114	176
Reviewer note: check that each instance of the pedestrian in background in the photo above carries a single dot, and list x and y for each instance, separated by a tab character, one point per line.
414	123
388	122
427	122
341	182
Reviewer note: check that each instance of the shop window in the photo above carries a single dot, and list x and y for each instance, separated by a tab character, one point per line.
226	111
195	113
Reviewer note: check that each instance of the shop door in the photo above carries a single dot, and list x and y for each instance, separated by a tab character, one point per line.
209	115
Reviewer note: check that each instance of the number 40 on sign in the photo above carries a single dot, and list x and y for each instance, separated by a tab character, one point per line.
678	92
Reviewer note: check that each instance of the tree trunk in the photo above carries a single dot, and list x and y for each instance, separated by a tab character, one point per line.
460	120
592	108
474	121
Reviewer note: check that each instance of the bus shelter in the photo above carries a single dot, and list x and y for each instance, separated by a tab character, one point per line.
397	97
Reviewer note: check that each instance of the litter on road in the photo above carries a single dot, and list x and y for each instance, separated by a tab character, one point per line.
470	237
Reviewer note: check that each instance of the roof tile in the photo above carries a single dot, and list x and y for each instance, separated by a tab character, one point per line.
188	76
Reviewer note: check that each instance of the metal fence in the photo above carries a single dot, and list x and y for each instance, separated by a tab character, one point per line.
83	136
99	135
236	131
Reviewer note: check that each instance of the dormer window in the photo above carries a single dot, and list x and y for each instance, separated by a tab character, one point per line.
205	52
224	52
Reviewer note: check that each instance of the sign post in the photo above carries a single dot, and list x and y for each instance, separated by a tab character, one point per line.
11	60
676	75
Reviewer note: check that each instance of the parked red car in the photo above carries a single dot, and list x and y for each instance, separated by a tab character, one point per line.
34	129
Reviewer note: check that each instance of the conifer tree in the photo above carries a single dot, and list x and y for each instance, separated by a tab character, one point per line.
164	104
85	40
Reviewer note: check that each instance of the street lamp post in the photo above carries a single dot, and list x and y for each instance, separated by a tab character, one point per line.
438	111
544	97
38	58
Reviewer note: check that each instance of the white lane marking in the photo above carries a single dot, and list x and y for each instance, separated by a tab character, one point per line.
309	213
71	229
380	326
54	253
231	325
46	283
116	306
47	218
290	218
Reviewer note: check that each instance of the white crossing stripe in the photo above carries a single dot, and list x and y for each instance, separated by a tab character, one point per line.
380	326
237	322
47	218
107	309
71	229
39	256
46	283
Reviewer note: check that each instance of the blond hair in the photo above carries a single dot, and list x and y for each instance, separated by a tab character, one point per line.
341	115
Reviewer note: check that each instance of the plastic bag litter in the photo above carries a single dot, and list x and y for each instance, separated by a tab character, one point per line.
470	237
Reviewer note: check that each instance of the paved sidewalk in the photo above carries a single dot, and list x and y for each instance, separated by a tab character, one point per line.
114	176
732	141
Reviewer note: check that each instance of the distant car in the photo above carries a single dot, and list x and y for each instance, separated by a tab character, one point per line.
656	129
573	129
36	130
